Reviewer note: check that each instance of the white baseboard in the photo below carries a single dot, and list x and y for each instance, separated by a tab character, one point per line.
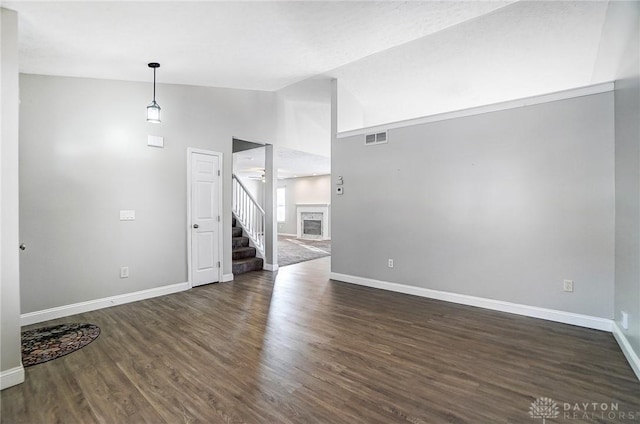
92	305
287	235
227	277
629	353
270	267
496	305
11	377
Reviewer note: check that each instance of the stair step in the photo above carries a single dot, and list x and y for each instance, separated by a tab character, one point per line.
236	232
239	242
240	266
233	221
243	252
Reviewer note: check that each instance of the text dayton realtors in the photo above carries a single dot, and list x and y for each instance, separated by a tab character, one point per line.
594	410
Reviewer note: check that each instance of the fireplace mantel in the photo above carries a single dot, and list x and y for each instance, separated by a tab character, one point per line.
314	208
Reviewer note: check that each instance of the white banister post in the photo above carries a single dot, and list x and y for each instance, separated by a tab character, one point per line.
234	197
271	226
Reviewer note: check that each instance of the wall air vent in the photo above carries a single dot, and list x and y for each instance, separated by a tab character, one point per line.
375	138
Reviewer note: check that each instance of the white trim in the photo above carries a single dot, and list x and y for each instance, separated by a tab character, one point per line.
495	107
105	302
287	235
190	151
629	353
496	305
227	277
270	267
253	243
11	377
324	209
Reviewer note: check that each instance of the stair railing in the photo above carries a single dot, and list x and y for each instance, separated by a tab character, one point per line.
248	213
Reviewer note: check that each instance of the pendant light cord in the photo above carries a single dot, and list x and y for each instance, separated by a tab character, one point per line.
154	85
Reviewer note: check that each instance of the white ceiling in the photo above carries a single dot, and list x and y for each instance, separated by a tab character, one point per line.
525	49
291	163
262	45
397	59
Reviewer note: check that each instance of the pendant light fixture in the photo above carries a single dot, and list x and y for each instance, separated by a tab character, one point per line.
153	110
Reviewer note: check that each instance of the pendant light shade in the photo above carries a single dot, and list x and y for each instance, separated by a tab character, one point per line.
153	110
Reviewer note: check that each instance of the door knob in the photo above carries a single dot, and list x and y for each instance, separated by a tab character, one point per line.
23	246
195	226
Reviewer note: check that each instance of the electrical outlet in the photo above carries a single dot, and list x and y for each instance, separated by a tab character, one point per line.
124	272
568	285
390	263
625	320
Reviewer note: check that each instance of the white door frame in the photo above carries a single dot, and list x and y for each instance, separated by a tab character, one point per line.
190	151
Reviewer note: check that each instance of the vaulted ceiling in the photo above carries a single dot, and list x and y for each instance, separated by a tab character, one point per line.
263	45
396	59
526	49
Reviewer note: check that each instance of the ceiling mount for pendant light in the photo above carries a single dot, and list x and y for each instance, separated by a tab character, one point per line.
153	110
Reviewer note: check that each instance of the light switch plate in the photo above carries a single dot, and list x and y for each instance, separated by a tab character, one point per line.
127	215
155	141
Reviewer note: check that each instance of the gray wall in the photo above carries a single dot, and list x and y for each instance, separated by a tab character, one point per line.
304	116
627	127
83	157
502	205
9	241
303	190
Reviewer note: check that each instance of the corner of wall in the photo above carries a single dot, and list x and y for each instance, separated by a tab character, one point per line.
627	349
11	371
351	114
627	177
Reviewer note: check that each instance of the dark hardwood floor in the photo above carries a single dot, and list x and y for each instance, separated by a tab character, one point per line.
299	348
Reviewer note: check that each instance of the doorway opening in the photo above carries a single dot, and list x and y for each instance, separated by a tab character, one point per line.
249	224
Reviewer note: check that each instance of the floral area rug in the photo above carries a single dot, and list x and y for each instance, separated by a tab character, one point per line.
48	343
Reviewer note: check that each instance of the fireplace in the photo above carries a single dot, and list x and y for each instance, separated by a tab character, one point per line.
311	225
313	221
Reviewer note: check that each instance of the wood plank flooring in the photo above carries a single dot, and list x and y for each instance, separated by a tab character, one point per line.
299	348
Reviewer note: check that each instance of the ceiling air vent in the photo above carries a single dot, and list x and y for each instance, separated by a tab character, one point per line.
376	138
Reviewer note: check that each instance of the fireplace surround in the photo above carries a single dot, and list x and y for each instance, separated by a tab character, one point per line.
313	221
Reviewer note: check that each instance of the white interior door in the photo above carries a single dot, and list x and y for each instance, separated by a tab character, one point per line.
205	218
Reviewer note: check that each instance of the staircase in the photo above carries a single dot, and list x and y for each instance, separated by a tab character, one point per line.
243	256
